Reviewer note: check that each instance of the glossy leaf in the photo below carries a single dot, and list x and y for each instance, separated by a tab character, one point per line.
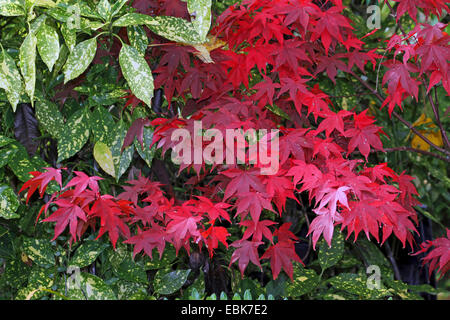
48	45
103	156
87	253
168	282
49	117
8	203
27	57
76	134
137	73
79	59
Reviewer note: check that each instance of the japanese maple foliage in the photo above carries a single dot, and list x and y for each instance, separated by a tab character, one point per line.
274	52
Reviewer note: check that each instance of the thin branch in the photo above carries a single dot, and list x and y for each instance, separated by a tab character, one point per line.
402	120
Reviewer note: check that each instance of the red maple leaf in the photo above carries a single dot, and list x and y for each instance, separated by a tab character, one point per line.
81	182
147	240
41	180
68	213
439	255
245	252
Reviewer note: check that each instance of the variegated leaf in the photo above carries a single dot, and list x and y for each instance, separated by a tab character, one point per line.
123	159
10	79
27	57
69	35
175	29
79	59
137	73
8	203
50	117
168	282
103	156
40	278
87	253
102	125
134	19
39	250
104	9
138	38
328	257
90	287
115	8
11	8
75	135
200	11
146	153
48	45
304	281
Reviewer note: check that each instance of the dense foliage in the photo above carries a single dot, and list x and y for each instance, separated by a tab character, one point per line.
93	93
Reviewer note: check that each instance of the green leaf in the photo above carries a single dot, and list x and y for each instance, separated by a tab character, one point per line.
104	9
304	281
21	164
200	11
50	117
11	8
126	290
117	6
102	125
27	57
48	45
134	19
87	253
123	159
69	35
137	73
90	287
75	135
39	250
175	29
328	257
6	156
131	271
352	283
168	282
138	38
40	278
169	255
146	154
103	156
79	59
8	203
10	79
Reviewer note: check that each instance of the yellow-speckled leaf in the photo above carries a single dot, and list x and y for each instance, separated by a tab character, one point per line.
123	159
168	282
39	250
49	117
103	156
27	57
87	253
138	38
48	45
328	257
11	8
10	79
200	11
134	19
304	281
69	35
146	154
175	29
352	283
90	287
137	73
76	134
104	9
79	59
8	203
102	125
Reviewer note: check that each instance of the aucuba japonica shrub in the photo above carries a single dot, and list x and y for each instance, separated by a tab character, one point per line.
259	65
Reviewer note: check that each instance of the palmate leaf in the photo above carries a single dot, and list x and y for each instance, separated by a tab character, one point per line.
79	59
48	45
137	73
